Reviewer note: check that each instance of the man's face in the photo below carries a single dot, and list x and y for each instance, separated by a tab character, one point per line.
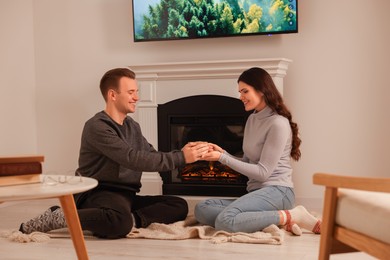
127	95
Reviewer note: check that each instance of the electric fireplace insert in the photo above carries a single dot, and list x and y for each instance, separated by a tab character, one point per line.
211	118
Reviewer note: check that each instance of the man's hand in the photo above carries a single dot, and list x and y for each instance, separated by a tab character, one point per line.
194	151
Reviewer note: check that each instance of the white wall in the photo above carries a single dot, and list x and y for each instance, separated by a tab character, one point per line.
336	87
17	78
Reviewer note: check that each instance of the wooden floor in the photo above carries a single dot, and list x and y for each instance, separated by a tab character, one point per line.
11	215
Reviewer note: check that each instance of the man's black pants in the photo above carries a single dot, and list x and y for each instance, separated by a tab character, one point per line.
107	213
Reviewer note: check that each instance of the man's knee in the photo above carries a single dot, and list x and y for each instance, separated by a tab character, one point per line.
180	205
118	224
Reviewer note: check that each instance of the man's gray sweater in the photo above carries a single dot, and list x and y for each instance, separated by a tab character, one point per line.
116	155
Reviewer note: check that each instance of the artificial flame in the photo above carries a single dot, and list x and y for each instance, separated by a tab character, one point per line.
208	171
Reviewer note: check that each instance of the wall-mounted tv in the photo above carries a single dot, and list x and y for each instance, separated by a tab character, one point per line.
155	20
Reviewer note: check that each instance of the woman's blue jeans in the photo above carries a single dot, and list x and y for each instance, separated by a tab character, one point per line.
250	213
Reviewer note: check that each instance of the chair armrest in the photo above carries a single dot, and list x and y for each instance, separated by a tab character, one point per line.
351	182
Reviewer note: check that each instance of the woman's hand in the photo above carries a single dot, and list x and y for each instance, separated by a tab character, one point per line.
214	147
211	156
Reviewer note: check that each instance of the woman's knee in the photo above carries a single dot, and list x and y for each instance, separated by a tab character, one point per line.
225	221
200	212
207	211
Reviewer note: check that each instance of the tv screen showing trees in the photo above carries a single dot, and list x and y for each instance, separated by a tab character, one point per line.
188	19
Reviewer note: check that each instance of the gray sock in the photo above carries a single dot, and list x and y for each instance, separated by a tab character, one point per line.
52	218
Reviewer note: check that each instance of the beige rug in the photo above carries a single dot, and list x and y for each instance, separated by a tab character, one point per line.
190	228
186	229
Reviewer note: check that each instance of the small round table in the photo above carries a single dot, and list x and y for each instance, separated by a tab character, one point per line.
61	187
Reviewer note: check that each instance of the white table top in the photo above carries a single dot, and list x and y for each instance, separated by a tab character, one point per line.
51	186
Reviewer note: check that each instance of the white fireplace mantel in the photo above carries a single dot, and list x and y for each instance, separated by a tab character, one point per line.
164	82
277	67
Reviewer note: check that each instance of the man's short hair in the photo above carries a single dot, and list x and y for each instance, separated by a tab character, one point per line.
110	79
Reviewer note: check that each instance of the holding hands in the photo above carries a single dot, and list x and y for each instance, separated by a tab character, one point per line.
213	154
194	151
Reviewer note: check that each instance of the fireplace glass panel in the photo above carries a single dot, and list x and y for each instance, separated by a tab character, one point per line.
225	132
221	122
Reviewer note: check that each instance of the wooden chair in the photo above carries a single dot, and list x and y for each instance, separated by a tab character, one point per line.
337	238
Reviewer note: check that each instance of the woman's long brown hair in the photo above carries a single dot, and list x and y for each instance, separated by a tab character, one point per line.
261	81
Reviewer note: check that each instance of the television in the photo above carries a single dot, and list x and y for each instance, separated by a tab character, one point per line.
155	20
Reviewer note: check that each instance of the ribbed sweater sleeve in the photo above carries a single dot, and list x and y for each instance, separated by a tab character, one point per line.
267	148
271	153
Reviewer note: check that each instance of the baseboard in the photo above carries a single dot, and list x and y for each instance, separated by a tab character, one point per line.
313	205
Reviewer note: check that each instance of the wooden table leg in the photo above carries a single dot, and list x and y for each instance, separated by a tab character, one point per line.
73	222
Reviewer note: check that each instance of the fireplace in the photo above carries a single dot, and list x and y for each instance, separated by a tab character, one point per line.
160	83
212	118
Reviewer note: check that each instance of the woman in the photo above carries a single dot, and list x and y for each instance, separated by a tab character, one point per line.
270	141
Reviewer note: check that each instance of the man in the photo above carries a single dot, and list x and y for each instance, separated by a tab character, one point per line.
114	151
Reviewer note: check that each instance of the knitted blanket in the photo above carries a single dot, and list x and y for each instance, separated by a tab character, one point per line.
186	229
190	228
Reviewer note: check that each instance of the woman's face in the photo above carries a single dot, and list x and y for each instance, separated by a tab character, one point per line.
251	98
